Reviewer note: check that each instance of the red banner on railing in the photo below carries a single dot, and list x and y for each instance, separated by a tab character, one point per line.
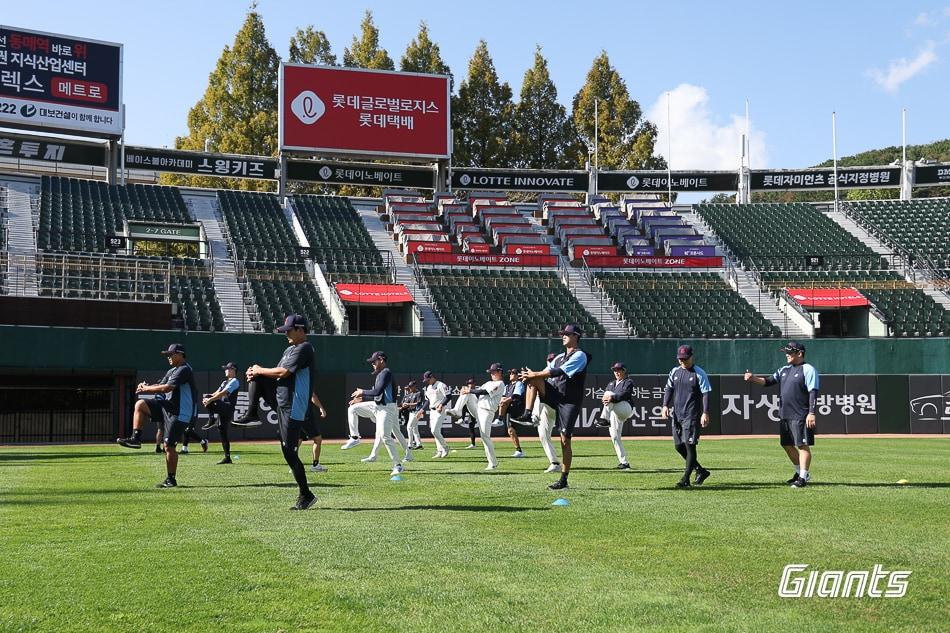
597	261
593	250
527	249
827	297
373	293
466	259
428	247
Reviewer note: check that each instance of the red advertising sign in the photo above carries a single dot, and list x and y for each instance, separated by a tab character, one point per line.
466	259
653	262
593	250
373	293
527	249
428	247
369	112
827	297
478	247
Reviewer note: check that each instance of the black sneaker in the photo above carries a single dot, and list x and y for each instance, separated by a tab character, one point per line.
210	424
248	419
128	442
159	449
624	466
701	476
602	423
304	502
683	483
524	418
226	460
204	446
560	484
799	483
794	478
168	483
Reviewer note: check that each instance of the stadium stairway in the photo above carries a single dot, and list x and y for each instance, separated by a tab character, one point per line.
592	301
21	197
204	207
431	325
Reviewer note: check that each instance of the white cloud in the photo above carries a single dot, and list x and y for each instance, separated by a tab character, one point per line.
698	142
932	18
924	19
900	70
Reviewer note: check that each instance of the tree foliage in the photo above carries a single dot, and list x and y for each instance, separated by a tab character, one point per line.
482	115
311	47
364	51
422	55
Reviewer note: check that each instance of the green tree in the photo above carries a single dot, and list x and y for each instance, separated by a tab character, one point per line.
238	112
482	115
423	55
625	139
311	47
544	136
365	52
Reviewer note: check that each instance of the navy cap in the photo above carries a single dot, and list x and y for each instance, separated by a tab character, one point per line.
411	385
174	348
293	321
793	347
618	365
427	375
494	367
229	365
573	329
684	352
470	381
376	356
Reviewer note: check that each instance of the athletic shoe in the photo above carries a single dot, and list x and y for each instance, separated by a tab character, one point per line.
128	442
226	460
518	453
701	476
524	419
318	468
497	422
799	483
683	483
369	460
623	466
397	470
794	478
350	443
553	468
415	447
304	502
247	420
204	446
168	483
470	446
560	484
210	424
158	448
183	450
408	457
438	455
491	467
602	423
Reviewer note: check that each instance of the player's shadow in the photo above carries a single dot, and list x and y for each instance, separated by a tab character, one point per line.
756	485
268	484
449	508
39	457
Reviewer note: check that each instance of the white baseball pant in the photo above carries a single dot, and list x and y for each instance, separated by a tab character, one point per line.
618	413
484	417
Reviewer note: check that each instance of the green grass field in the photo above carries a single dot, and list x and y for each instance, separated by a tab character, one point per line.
87	543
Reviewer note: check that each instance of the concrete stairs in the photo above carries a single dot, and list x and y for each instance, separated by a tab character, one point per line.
20	198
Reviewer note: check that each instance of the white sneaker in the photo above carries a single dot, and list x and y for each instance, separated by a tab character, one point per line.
438	455
491	467
553	468
183	450
318	468
518	454
369	460
350	443
408	457
470	446
397	470
496	422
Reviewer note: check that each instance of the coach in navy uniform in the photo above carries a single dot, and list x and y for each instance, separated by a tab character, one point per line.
561	387
617	409
687	394
221	404
798	389
174	406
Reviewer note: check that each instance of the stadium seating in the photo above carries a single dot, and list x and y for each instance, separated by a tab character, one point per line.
339	241
921	227
908	310
781	236
683	305
484	302
282	289
258	229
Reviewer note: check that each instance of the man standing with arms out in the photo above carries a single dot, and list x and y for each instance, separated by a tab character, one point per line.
687	392
174	412
437	396
482	402
291	384
798	398
561	387
512	403
383	396
221	404
408	408
617	409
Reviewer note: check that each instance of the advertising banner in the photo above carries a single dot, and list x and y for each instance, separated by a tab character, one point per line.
519	180
823	178
827	297
374	293
658	181
466	259
653	262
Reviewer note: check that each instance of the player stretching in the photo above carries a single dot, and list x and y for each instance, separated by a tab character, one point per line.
512	403
617	410
383	398
437	396
482	402
687	392
220	405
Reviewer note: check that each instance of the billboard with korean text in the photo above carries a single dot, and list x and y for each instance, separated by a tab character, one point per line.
329	110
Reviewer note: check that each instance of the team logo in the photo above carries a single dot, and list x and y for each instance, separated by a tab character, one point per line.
465	179
798	582
28	110
586	252
325	172
932	407
307	107
799	297
633	182
517	251
346	293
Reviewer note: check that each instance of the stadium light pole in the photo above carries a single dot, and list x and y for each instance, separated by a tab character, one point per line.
834	153
596	134
748	137
669	149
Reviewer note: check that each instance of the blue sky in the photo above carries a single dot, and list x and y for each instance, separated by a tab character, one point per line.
794	62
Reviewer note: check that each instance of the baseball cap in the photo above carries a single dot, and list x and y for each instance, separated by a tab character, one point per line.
292	321
494	367
551	356
618	365
174	348
412	383
470	381
684	351
229	365
571	329
793	346
427	375
376	356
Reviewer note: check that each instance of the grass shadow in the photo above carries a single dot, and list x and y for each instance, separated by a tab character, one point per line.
449	508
